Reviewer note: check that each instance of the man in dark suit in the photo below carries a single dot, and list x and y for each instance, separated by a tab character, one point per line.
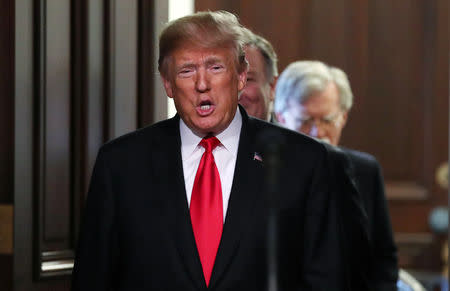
315	99
257	99
180	205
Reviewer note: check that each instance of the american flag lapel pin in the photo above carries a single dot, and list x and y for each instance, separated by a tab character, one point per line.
257	157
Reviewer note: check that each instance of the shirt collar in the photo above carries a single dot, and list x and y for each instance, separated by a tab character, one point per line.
229	137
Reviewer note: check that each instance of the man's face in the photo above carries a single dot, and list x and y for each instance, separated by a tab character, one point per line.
204	84
258	92
320	116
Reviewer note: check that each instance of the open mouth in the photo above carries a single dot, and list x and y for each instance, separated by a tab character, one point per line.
205	108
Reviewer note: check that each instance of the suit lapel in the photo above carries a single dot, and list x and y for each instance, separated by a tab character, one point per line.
245	192
169	164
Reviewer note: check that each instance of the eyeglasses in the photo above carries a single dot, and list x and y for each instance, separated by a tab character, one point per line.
327	122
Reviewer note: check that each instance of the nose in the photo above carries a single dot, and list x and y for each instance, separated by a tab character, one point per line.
316	131
202	81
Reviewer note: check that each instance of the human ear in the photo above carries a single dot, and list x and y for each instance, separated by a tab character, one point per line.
344	119
242	80
167	86
273	84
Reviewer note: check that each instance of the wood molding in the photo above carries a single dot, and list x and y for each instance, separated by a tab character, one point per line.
6	101
6	229
122	68
422	238
405	190
57	132
414	249
146	68
25	48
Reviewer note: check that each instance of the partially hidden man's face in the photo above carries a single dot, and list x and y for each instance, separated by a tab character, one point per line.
204	84
320	116
258	92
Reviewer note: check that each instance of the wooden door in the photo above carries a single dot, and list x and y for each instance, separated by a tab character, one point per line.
72	68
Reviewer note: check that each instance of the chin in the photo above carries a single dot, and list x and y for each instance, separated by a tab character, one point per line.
251	111
206	129
326	140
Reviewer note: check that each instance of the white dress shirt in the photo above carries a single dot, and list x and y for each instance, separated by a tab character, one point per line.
224	155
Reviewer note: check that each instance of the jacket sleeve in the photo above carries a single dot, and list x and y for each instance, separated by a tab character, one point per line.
385	273
97	251
356	246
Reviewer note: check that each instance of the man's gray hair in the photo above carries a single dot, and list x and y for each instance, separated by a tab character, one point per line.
301	79
266	50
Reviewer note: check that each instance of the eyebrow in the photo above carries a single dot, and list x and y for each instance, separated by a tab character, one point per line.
213	60
185	65
209	61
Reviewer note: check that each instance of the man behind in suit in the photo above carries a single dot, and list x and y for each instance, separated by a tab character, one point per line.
180	205
259	91
257	98
315	99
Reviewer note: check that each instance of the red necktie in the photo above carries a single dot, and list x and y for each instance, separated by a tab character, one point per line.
206	207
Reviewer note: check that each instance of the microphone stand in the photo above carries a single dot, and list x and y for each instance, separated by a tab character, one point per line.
272	235
272	142
272	254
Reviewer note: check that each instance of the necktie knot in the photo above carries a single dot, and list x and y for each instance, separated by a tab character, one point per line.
209	143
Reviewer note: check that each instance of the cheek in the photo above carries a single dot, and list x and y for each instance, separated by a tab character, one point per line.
181	88
254	93
246	91
265	92
333	133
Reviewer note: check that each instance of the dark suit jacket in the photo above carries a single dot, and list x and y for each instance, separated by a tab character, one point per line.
356	247
369	181
137	235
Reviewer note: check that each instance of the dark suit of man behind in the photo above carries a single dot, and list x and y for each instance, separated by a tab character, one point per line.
369	181
137	232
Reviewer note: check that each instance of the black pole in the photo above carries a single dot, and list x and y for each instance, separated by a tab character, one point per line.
271	141
272	254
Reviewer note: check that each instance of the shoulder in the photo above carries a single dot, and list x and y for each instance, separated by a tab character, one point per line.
259	133
142	139
365	166
360	159
265	132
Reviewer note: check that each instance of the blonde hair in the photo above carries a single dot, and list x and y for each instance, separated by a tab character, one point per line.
203	29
